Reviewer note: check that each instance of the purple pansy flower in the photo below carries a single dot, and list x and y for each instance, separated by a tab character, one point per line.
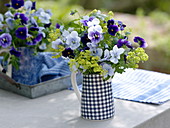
16	4
121	25
95	34
141	42
22	16
113	29
85	39
68	52
36	40
22	33
122	42
110	22
5	40
86	19
14	52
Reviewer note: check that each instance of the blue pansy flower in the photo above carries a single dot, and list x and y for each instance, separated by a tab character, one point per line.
113	29
16	4
122	42
5	40
73	40
10	22
45	17
121	25
86	19
109	69
22	33
28	5
8	14
14	52
115	54
56	43
141	42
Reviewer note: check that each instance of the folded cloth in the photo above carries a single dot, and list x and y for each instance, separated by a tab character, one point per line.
53	68
141	86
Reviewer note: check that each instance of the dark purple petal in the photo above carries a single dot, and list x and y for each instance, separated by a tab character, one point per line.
14	52
91	18
39	37
47	25
23	18
16	4
122	42
5	40
34	29
85	39
68	52
141	42
7	5
110	22
57	26
17	15
22	33
33	6
36	40
113	29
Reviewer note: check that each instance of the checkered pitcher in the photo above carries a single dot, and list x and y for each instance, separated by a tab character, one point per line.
97	101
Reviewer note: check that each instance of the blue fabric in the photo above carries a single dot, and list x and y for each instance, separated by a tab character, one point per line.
141	86
51	67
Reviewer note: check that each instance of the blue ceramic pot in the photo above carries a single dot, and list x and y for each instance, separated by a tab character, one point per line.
29	67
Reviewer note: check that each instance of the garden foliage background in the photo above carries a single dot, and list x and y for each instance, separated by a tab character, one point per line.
147	18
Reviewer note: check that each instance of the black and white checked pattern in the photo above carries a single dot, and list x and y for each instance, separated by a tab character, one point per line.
97	99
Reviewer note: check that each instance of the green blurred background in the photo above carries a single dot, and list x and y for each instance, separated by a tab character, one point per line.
147	18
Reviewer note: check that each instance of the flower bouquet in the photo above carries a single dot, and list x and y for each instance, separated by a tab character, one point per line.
24	31
99	44
23	25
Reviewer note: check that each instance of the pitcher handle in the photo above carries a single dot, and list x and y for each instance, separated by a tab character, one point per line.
75	87
9	70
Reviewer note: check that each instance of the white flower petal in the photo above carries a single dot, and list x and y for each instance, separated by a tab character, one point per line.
74	34
96	21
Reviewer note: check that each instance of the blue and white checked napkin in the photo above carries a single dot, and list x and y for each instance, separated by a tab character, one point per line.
141	86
